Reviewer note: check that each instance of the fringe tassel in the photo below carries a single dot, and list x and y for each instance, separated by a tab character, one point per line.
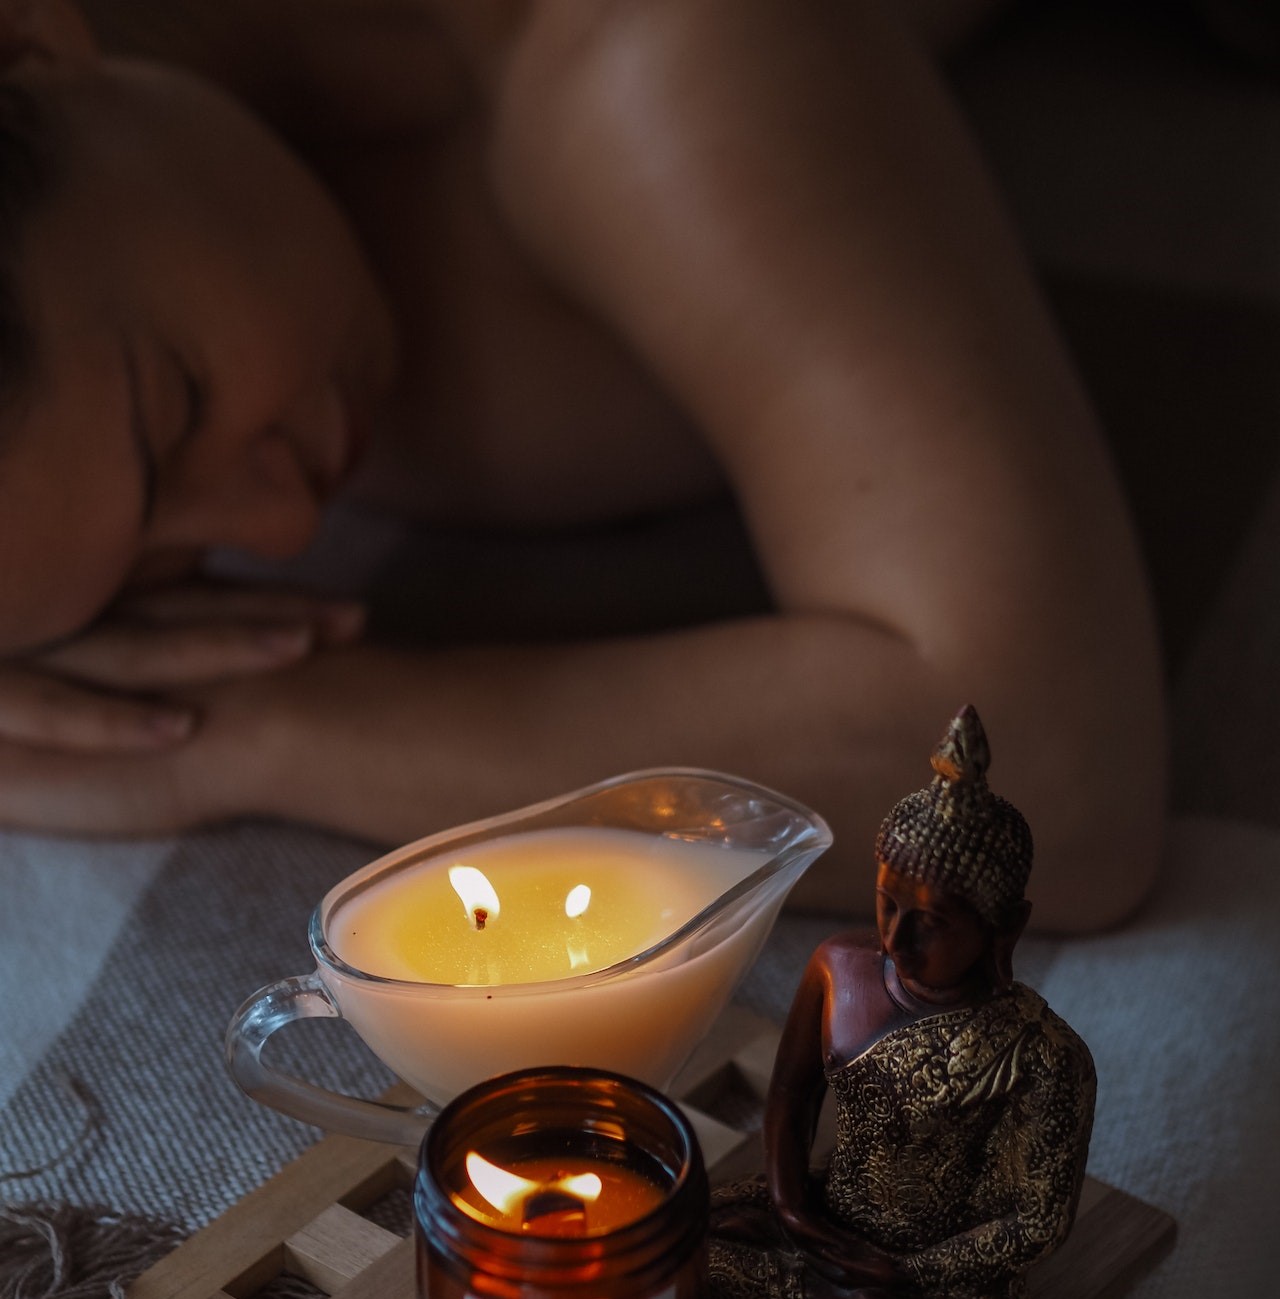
68	1252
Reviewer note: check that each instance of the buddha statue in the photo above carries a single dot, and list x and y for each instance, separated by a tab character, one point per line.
963	1104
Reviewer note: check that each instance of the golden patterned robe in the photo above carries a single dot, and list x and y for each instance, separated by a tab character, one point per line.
961	1144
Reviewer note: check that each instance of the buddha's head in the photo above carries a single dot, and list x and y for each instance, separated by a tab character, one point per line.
953	865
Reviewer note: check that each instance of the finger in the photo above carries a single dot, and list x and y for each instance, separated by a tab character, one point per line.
40	710
128	657
336	621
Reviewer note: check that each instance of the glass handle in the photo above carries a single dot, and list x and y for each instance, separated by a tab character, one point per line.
306	997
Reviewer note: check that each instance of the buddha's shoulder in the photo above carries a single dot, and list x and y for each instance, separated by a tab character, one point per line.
853	950
1059	1045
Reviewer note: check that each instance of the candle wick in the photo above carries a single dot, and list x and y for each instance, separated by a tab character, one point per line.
481	915
549	1212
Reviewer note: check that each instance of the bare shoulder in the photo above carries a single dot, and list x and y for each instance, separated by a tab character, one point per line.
807	250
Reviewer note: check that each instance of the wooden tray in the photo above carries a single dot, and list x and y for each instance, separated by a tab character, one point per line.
311	1220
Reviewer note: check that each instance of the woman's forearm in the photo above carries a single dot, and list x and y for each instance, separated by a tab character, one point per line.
394	745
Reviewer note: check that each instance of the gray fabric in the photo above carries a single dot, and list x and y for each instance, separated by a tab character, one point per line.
49	951
1178	1010
1187	1066
174	1137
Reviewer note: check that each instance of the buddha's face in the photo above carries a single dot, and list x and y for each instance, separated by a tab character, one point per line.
937	942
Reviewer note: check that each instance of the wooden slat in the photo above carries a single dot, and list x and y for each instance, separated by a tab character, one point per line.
242	1250
754	1058
1116	1240
735	1030
717	1140
1091	1193
294	1219
335	1247
391	1277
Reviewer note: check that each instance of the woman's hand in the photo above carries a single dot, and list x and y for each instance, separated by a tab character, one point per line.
242	759
108	689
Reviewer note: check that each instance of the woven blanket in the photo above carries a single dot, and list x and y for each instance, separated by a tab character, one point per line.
113	1010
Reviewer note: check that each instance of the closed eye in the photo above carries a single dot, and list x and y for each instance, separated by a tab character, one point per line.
139	435
193	397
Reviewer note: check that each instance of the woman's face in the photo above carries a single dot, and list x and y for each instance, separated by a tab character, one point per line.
210	342
937	943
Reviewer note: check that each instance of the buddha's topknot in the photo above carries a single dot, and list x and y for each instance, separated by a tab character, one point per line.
955	833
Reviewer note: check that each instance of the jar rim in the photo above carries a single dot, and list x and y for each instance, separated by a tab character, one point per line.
606	1106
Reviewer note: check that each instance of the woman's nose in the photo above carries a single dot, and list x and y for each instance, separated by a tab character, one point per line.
260	500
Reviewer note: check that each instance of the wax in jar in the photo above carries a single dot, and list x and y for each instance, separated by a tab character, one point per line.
532	907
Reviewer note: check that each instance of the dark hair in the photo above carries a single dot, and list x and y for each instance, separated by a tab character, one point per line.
26	176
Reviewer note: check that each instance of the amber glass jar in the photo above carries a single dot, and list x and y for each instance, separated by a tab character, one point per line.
550	1131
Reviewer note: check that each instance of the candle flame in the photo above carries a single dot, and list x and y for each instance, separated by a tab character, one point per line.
577	901
479	900
507	1191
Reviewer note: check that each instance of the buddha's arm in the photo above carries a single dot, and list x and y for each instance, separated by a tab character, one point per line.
1044	1186
795	1094
795	1097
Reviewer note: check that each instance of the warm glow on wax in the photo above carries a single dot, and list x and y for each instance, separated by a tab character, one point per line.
539	908
434	995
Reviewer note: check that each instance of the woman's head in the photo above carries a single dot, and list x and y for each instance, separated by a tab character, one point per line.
205	340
